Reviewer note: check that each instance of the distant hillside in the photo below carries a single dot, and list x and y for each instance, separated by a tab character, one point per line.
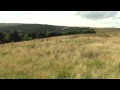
27	28
19	32
107	30
8	24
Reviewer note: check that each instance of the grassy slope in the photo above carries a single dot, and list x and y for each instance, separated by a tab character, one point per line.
9	24
77	56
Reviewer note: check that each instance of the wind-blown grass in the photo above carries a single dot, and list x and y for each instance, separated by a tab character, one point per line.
71	57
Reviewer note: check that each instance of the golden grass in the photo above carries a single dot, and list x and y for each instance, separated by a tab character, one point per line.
71	57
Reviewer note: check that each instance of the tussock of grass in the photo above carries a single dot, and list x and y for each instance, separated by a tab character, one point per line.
90	53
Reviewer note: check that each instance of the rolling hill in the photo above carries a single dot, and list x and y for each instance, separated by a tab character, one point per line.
80	56
9	32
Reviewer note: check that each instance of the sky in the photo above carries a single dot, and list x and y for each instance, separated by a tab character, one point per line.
64	18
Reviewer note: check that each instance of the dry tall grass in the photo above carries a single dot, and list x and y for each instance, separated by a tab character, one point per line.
71	57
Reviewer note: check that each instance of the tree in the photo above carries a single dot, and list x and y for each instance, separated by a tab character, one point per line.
52	34
42	35
14	37
1	37
6	38
32	35
26	37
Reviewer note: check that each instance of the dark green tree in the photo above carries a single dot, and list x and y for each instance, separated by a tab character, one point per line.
26	37
14	37
1	37
52	34
7	38
32	35
42	35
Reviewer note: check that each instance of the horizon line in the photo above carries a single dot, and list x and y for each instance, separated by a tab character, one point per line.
60	25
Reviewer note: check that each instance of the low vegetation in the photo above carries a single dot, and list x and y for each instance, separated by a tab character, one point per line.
81	56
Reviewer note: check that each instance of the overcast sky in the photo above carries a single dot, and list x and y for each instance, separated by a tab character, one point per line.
66	18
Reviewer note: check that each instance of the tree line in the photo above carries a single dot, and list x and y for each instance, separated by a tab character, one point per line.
24	32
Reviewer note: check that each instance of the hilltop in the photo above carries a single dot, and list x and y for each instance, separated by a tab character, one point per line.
9	24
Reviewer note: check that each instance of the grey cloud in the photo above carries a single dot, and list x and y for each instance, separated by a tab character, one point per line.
95	15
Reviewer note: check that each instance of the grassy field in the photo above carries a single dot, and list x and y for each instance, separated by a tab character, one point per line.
83	56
